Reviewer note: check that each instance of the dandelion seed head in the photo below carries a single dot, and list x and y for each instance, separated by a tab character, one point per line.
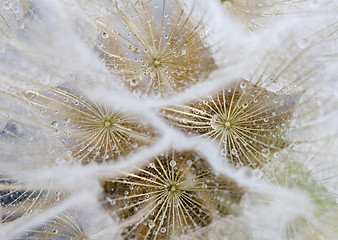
165	49
247	121
158	50
89	131
174	194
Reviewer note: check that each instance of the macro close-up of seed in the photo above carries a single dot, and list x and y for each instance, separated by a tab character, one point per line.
168	119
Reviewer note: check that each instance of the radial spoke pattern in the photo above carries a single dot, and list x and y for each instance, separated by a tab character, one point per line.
90	132
172	195
248	122
67	226
18	200
155	46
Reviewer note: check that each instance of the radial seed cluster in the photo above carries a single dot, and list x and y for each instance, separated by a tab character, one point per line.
90	132
155	49
247	121
172	195
156	46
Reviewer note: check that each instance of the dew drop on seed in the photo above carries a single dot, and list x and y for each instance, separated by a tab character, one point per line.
67	120
243	85
54	124
152	165
163	230
172	163
133	82
104	35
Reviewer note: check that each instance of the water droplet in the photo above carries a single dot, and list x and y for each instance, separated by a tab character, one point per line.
172	163
163	230
243	85
105	35
133	82
54	124
67	120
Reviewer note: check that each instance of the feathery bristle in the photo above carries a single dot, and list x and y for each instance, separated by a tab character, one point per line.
66	226
18	200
